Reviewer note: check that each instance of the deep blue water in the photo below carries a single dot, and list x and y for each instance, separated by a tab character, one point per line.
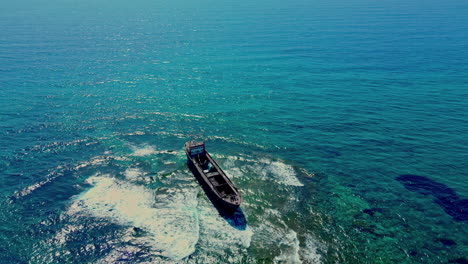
343	123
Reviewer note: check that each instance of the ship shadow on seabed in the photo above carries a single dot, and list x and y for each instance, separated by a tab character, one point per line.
235	218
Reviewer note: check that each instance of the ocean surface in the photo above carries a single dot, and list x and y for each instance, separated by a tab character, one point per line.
343	123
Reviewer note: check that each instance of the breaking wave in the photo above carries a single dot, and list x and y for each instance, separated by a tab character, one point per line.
276	233
169	216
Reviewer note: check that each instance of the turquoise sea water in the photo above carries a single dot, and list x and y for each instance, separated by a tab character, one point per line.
343	123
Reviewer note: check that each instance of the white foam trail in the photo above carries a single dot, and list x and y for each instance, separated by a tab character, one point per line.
170	218
273	170
171	152
144	150
284	173
275	233
218	236
289	247
28	190
187	115
97	160
234	158
310	250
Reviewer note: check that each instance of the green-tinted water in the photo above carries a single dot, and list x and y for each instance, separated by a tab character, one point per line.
312	108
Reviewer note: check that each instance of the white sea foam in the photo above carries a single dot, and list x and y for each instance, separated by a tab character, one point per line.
234	158
172	152
169	218
284	173
120	254
187	115
49	178
273	170
135	133
28	190
133	173
218	236
276	233
289	246
62	236
310	250
57	172
144	150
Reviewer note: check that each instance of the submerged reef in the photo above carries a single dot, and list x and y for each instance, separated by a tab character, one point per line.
444	196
